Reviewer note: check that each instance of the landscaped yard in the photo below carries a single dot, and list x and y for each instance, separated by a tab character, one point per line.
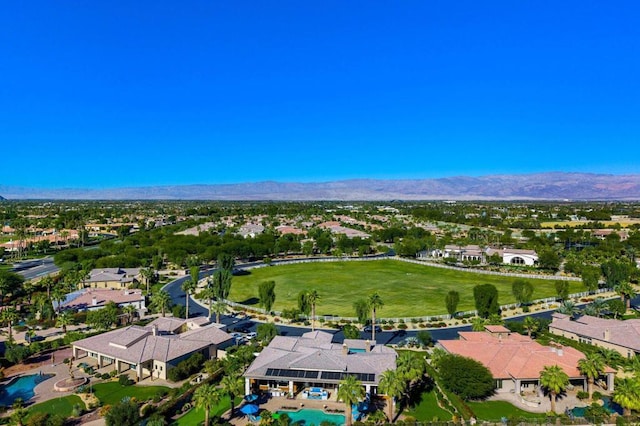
196	416
407	289
495	410
112	392
428	410
62	406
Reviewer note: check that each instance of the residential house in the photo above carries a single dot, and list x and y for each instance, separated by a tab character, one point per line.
116	278
94	299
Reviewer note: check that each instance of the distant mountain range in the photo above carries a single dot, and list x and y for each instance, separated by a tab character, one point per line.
538	186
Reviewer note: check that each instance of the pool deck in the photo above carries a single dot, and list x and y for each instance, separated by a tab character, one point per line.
274	404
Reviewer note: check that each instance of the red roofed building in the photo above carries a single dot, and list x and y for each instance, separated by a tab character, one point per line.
515	361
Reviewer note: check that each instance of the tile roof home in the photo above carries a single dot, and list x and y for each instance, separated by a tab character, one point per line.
290	364
117	278
152	350
515	361
92	299
622	336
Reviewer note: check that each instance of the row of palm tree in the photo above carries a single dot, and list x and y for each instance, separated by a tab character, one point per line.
207	396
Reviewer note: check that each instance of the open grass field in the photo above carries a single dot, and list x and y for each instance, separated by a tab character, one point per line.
62	406
495	410
428	410
112	392
408	290
625	223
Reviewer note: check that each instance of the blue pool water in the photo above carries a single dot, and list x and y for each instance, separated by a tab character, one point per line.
308	417
21	387
609	405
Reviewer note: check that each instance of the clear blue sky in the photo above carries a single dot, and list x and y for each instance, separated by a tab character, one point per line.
104	94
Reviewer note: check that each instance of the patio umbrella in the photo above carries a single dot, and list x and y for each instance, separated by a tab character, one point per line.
251	398
249	409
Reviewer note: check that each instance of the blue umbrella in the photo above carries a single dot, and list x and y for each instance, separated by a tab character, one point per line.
251	398
249	409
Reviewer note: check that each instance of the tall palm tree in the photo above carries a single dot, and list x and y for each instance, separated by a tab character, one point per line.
58	294
233	386
65	319
350	392
626	291
592	367
219	308
205	397
531	325
9	316
161	301
393	385
188	286
568	308
375	303
147	274
555	380
627	394
611	357
312	298
411	367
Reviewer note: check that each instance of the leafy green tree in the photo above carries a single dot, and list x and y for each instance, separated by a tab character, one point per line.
233	386
226	262
350	331
350	391
617	307
375	302
522	291
555	380
221	284
451	301
549	259
265	333
267	294
627	394
124	413
393	385
486	299
465	377
615	272
362	310
626	291
590	277
105	318
303	303
592	366
562	289
10	283
424	337
161	301
205	398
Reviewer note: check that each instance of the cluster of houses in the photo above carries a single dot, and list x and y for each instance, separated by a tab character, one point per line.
475	253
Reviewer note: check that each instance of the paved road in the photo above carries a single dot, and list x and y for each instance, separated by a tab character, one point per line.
31	269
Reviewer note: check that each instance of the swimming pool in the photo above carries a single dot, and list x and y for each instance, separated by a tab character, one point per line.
22	388
609	405
308	417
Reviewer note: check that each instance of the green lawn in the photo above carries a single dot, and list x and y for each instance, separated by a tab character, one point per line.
428	410
112	392
62	406
196	416
495	410
407	289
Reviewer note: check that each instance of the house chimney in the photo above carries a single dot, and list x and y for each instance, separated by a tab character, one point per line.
607	334
560	351
345	349
367	346
94	301
154	330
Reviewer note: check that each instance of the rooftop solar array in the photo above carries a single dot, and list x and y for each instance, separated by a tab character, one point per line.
311	374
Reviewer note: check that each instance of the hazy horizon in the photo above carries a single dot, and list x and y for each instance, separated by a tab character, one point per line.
151	93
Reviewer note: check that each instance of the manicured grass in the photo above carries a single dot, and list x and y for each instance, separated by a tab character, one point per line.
196	416
408	290
495	410
62	406
112	392
428	410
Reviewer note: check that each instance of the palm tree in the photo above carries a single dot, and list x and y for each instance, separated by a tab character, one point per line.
375	303
47	282
555	380
531	325
130	310
568	308
478	323
411	367
611	357
350	392
161	301
627	394
393	385
9	316
59	295
219	308
148	274
312	298
205	397
188	286
65	318
626	291
592	367
233	386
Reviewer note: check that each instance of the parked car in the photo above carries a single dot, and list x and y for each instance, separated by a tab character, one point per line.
367	329
252	335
